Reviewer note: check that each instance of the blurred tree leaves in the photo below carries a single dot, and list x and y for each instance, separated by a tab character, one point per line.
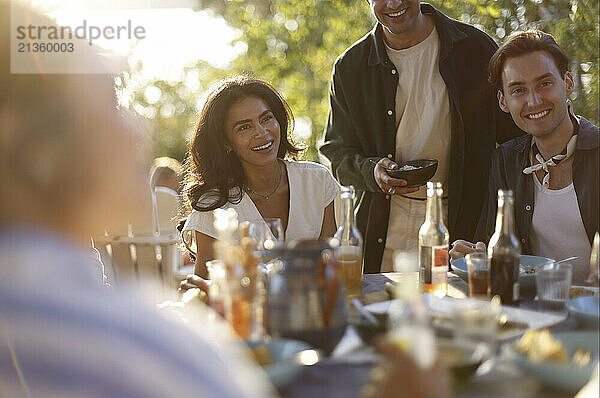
169	106
573	23
294	44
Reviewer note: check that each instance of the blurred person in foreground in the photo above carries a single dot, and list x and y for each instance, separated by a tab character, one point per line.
242	157
68	166
553	170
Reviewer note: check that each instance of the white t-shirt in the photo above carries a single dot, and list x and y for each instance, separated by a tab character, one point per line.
557	229
422	107
312	189
423	132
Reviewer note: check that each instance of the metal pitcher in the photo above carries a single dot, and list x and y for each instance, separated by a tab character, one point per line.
306	296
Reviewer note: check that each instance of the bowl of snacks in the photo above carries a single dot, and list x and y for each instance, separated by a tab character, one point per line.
563	360
282	359
415	172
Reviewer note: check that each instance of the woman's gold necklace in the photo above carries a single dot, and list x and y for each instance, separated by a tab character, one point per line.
275	187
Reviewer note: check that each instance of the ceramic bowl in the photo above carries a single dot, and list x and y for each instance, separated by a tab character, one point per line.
425	169
586	310
564	376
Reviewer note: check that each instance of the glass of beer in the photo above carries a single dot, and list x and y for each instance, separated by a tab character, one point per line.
350	260
479	274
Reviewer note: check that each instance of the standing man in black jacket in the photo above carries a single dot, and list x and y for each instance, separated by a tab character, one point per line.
414	87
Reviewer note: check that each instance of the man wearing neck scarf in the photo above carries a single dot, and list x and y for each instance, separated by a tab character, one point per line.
553	169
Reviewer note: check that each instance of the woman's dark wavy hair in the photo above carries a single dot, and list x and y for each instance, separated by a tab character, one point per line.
213	173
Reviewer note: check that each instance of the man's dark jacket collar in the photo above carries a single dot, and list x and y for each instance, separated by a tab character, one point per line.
508	174
587	139
447	32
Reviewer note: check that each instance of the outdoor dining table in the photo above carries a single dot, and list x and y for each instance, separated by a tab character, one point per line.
346	371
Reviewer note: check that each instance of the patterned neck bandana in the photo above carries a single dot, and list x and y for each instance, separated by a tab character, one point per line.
553	161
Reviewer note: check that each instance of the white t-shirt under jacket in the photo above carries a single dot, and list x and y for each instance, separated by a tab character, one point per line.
423	132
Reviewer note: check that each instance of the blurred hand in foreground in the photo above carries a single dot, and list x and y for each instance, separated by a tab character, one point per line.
193	281
398	376
461	248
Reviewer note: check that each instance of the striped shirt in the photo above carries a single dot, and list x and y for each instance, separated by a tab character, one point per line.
63	334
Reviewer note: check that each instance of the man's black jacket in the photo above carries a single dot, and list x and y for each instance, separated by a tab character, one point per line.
362	126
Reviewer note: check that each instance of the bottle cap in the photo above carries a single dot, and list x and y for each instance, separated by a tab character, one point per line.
347	191
434	188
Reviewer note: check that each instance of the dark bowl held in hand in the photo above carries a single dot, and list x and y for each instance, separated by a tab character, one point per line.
426	169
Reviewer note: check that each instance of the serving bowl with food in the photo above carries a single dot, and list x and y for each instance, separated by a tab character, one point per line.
415	172
562	360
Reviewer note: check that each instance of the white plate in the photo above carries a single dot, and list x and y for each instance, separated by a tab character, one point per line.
445	307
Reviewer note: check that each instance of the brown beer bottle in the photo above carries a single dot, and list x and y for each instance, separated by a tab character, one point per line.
504	252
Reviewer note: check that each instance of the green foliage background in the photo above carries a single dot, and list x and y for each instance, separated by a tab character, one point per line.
294	43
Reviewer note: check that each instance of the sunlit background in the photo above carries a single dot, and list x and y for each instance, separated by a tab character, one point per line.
191	44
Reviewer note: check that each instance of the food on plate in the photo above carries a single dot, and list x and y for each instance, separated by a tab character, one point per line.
581	292
540	346
581	357
527	270
262	355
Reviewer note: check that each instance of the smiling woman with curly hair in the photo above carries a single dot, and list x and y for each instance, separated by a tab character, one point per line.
241	157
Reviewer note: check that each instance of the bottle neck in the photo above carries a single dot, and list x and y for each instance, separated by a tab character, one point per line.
504	218
348	209
434	208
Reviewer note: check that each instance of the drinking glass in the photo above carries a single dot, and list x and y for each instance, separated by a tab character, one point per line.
407	264
267	233
553	283
478	267
218	292
277	234
241	286
477	321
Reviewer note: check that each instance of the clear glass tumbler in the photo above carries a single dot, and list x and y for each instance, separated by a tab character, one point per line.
553	283
478	268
